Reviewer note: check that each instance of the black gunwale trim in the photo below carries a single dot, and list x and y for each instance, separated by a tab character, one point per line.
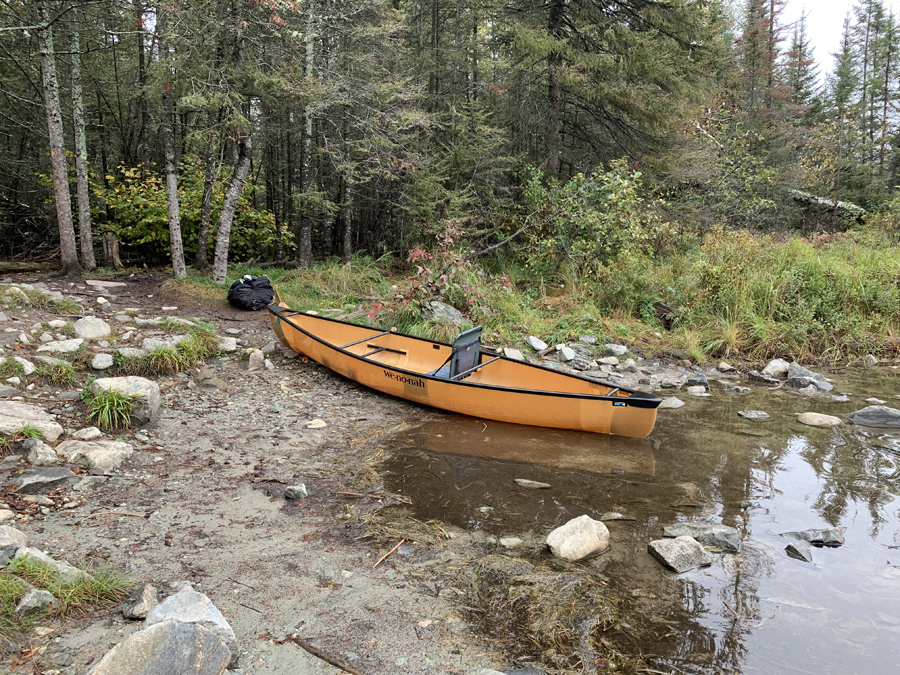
637	399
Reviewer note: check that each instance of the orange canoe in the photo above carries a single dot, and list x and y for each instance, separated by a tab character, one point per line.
462	378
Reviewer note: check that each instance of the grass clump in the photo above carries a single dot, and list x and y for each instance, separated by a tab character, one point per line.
67	306
110	409
200	343
9	367
62	374
559	617
29	430
97	587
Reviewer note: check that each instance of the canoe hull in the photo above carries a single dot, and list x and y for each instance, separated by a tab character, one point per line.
401	370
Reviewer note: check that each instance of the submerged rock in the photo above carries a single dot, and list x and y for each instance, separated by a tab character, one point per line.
680	554
762	378
801	550
819	420
712	534
877	416
753	414
531	484
831	537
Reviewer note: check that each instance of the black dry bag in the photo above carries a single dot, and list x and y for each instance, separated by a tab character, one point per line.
253	293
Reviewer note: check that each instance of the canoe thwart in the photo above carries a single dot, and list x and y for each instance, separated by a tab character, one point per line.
368	337
461	375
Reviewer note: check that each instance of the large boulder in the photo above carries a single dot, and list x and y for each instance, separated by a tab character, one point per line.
145	392
776	368
579	538
877	416
435	310
15	415
189	606
168	647
104	455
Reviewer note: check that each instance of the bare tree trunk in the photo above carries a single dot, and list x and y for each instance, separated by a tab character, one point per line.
111	251
81	160
209	182
305	253
229	205
67	246
175	243
554	91
347	220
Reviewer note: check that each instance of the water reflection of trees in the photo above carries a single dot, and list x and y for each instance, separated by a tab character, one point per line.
851	471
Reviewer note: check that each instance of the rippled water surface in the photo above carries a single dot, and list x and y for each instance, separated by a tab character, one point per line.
757	611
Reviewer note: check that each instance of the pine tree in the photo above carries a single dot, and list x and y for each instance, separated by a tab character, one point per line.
800	76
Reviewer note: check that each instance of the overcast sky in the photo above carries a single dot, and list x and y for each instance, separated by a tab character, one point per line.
824	22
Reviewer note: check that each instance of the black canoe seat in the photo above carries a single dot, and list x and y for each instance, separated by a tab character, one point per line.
465	355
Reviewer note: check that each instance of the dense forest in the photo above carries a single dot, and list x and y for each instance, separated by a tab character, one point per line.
279	130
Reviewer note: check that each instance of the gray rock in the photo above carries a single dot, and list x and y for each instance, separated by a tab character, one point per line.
566	354
843	398
14	415
91	328
578	538
511	542
877	416
776	368
802	382
579	364
296	492
608	360
40	453
587	339
147	398
35	602
257	358
61	346
737	390
671	403
711	534
831	537
698	380
88	483
809	390
104	455
669	384
800	550
168	647
531	484
131	352
697	390
102	361
10	536
207	379
50	361
140	602
536	343
762	378
8	391
796	370
753	414
189	606
37	479
724	367
436	310
680	554
614	350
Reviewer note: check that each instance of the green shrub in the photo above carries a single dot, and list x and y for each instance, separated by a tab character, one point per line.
110	409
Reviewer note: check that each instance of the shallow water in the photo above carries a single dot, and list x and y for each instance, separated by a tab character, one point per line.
755	612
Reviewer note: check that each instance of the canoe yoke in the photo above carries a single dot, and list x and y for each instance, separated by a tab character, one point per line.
464	357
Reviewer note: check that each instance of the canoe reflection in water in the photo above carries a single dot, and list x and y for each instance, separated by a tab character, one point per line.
579	450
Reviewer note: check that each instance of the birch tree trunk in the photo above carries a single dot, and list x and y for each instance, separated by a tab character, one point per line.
81	157
347	221
67	246
229	205
175	243
209	181
305	252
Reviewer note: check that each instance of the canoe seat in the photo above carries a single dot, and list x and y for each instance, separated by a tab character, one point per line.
465	355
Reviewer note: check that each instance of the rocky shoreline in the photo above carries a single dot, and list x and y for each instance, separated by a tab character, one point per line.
207	496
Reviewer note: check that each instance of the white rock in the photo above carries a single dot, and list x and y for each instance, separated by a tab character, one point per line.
269	365
819	420
566	354
317	424
671	403
100	283
698	390
102	361
189	606
536	343
511	542
14	415
87	434
578	538
14	380
104	455
61	346
614	350
531	484
777	368
10	536
724	367
40	454
57	323
63	569
6	514
228	344
92	328
146	395
46	337
102	301
23	338
609	360
513	354
257	358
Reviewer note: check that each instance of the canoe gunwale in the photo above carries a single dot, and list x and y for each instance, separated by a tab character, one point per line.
636	399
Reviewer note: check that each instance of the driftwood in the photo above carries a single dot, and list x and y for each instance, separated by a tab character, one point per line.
666	314
320	654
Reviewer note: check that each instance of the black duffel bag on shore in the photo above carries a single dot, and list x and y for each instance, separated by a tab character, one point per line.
253	293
